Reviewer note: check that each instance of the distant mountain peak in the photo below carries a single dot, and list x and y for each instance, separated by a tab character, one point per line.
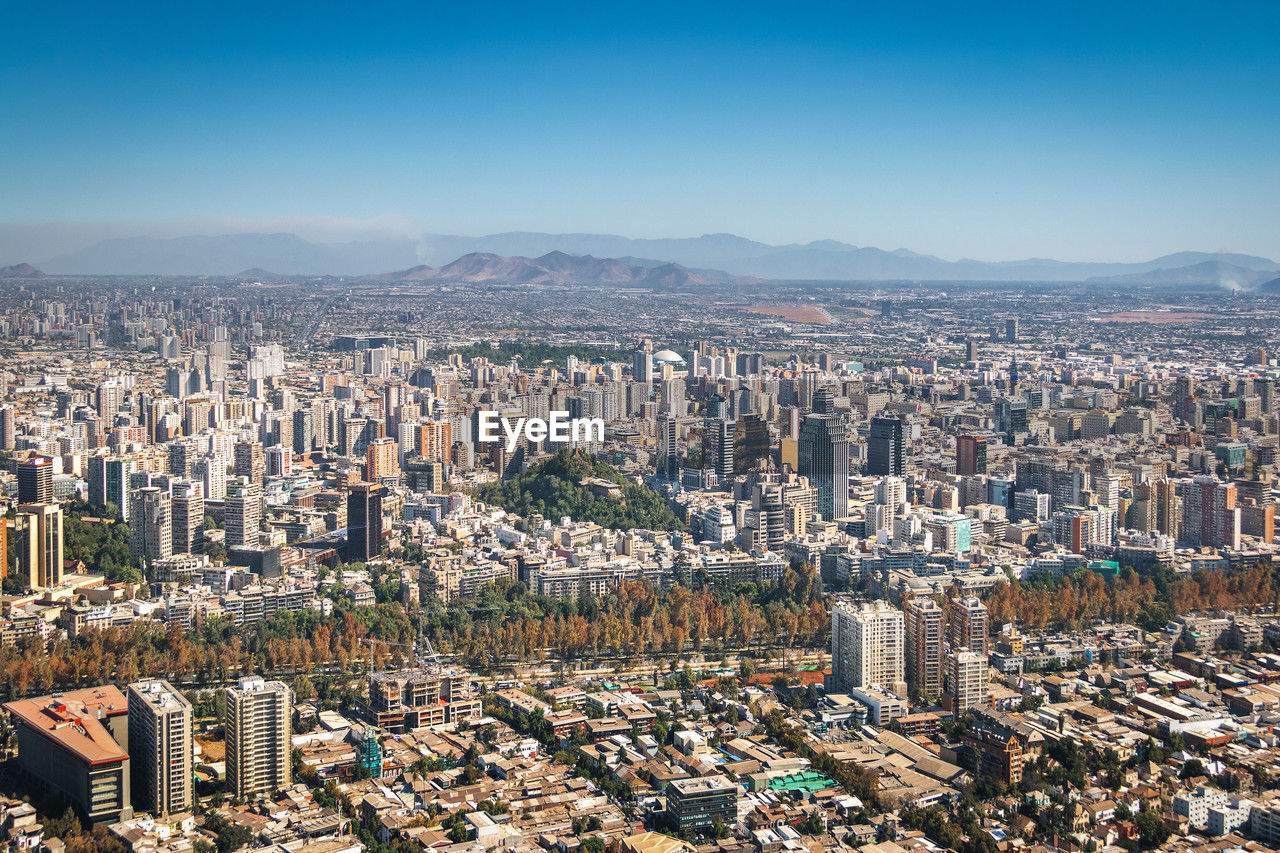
20	271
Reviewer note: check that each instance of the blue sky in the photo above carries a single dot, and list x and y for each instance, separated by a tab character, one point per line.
1113	131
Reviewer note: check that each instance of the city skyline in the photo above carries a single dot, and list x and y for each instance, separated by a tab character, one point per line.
640	429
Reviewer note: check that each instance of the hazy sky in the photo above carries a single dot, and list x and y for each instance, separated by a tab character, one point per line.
1115	131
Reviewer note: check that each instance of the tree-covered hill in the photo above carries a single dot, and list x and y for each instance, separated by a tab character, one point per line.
553	488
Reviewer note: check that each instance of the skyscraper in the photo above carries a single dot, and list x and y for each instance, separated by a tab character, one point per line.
668	462
1168	508
672	400
1209	513
967	627
750	442
160	748
717	449
382	459
257	721
642	366
304	431
8	428
243	509
37	539
824	458
150	524
924	662
1011	330
35	481
116	481
884	447
188	517
250	460
867	647
971	455
435	441
1013	418
364	522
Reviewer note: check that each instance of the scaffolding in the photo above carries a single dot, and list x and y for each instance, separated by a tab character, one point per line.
370	752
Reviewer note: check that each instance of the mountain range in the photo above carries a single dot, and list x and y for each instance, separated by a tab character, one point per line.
560	268
825	260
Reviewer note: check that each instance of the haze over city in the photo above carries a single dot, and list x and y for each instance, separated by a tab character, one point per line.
1098	132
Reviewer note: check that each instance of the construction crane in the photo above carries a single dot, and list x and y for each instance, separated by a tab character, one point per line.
371	643
428	650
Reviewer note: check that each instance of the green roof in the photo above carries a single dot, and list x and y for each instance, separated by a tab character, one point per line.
805	780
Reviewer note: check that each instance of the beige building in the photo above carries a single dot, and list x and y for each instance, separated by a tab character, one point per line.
160	748
37	539
966	681
258	723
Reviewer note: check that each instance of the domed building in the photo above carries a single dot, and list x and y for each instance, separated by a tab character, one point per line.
667	356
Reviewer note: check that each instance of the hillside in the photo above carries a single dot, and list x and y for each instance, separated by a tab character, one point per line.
20	271
552	488
554	268
1203	274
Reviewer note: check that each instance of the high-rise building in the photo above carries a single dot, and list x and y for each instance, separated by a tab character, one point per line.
211	473
35	481
1209	513
150	524
160	748
923	626
668	462
823	456
1078	527
250	460
304	431
436	441
37	540
672	400
382	459
867	647
8	428
750	442
96	478
1168	508
188	517
182	457
116	478
967	681
279	461
257	721
243	513
967	625
1012	414
717	447
885	447
364	522
971	455
1011	330
642	366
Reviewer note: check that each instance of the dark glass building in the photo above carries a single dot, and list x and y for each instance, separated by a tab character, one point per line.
824	459
884	447
364	522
